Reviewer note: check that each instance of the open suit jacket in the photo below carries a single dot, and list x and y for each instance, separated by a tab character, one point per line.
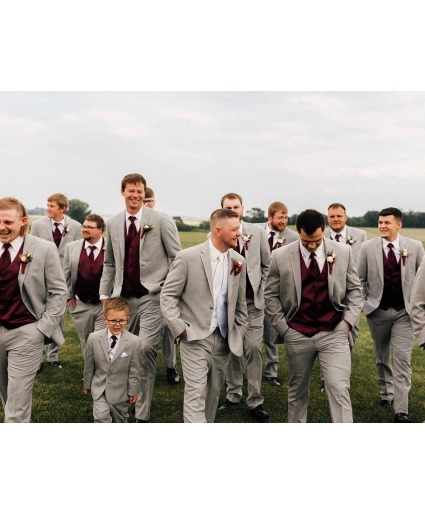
187	301
120	378
371	271
157	248
417	306
43	229
284	285
358	235
43	288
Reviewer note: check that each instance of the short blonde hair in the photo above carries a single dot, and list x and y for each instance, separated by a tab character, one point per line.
117	304
13	203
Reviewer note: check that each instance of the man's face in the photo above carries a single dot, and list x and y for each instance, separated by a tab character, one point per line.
278	221
54	211
389	226
234	205
11	223
337	218
311	241
90	232
230	233
133	196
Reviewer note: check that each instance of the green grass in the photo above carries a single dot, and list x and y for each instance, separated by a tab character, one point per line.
58	393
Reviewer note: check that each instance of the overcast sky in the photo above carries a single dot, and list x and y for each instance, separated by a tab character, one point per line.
366	150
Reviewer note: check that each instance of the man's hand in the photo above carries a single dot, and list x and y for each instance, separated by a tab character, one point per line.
71	303
133	399
86	391
183	336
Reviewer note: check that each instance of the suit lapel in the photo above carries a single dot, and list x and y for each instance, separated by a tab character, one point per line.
103	343
49	229
379	259
403	245
206	262
331	280
296	271
122	233
122	347
28	247
144	220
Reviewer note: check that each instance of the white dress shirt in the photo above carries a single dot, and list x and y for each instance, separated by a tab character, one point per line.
396	248
138	220
220	297
343	234
16	244
111	352
320	255
61	225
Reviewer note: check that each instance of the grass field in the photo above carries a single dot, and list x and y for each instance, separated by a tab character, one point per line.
58	393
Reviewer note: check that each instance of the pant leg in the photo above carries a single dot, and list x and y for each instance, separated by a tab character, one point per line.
216	374
168	348
119	412
85	318
272	350
102	410
53	348
254	356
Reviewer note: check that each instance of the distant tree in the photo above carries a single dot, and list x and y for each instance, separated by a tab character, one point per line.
181	226
255	215
204	225
78	210
37	211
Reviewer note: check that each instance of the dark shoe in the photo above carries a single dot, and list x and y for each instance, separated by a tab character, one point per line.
55	364
322	385
385	403
227	404
259	412
141	421
40	368
172	376
401	417
273	381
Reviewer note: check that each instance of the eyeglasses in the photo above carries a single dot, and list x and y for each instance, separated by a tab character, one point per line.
89	227
148	200
116	322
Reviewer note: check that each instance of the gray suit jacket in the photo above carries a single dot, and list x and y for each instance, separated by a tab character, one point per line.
283	286
257	256
119	379
42	228
187	301
358	235
157	248
71	262
43	287
417	304
371	271
288	235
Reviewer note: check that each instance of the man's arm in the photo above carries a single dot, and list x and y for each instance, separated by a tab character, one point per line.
241	310
108	273
353	296
265	257
89	364
417	308
170	237
272	298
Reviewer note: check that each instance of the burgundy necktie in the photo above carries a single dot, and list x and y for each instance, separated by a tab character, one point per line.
57	235
91	254
337	237
271	239
132	231
313	267
114	341
5	257
391	256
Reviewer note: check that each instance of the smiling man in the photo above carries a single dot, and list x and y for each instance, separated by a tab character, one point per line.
141	245
32	302
313	297
387	267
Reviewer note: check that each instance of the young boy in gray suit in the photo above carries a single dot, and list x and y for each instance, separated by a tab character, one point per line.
112	367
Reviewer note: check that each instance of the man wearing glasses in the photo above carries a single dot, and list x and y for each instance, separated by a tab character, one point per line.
83	266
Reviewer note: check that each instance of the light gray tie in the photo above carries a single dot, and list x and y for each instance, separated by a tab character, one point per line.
218	276
220	296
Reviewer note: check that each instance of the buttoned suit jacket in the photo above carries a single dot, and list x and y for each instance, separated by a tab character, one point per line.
284	285
417	304
187	300
371	271
42	286
257	256
71	263
157	248
42	228
120	378
287	234
358	235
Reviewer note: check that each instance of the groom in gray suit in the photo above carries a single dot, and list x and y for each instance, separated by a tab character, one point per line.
387	267
313	296
141	244
203	303
32	302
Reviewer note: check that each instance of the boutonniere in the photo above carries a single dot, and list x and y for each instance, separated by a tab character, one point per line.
403	253
330	258
350	240
146	228
66	229
237	267
246	239
280	242
24	259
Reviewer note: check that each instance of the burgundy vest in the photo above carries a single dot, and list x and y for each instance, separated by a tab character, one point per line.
392	296
131	286
249	289
13	312
316	312
88	278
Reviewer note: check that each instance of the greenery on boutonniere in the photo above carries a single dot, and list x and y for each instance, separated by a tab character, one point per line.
330	258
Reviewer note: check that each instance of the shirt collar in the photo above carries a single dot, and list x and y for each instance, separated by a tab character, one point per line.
320	251
118	336
16	243
215	253
396	242
138	215
98	245
343	233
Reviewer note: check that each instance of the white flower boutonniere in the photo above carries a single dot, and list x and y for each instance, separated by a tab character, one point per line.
24	259
237	267
330	258
350	240
280	242
146	228
246	239
66	229
403	253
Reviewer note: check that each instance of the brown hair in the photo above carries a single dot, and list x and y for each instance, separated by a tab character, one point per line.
117	304
60	200
277	206
149	193
133	178
230	196
13	203
98	220
219	216
337	205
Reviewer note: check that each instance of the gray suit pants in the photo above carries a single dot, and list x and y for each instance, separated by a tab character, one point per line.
168	348
104	412
272	350
20	352
87	318
333	352
391	330
52	348
250	362
204	364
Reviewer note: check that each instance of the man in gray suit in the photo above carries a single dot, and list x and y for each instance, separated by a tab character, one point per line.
278	235
253	246
61	230
417	306
32	302
387	267
203	303
141	244
340	232
83	266
313	296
